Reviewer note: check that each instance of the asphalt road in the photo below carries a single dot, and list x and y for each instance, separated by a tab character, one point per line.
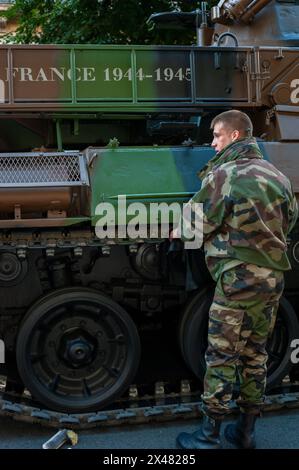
274	431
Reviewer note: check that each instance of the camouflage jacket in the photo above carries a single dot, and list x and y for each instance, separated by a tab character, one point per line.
248	209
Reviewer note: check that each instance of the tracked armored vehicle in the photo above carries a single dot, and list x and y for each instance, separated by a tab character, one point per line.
87	320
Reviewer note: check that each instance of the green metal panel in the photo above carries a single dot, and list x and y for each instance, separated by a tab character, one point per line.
118	78
104	75
146	174
40	75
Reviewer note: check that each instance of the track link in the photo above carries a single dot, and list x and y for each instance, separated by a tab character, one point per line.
166	409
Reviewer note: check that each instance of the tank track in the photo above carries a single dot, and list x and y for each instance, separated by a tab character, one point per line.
147	409
137	408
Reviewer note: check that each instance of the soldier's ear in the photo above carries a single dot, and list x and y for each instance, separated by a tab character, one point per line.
235	135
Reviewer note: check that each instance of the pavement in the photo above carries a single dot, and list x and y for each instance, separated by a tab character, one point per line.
273	431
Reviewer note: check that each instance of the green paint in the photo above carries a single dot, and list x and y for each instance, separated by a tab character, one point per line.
119	78
145	174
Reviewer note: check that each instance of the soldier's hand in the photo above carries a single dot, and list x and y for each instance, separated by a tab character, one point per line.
173	234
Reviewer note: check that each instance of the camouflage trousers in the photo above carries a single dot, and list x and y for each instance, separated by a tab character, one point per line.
241	318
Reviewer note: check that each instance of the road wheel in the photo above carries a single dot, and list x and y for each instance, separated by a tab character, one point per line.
193	337
77	350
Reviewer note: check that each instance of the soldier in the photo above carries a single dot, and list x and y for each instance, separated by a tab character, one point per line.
249	208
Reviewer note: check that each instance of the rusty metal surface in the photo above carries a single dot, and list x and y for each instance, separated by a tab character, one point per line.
35	199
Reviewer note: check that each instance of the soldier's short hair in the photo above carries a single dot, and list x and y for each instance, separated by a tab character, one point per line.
235	120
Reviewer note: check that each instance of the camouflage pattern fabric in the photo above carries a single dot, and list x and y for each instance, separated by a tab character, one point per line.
242	316
248	209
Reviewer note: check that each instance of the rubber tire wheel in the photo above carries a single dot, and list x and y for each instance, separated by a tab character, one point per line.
193	331
36	388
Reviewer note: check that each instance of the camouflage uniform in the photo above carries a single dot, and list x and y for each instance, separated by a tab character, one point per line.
249	208
242	316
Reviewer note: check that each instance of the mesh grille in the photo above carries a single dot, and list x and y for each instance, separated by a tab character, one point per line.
37	169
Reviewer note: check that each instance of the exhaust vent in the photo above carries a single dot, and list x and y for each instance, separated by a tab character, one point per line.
40	169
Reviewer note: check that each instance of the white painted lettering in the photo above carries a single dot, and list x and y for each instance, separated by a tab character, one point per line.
26	74
295	93
77	74
57	73
13	72
41	76
89	74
